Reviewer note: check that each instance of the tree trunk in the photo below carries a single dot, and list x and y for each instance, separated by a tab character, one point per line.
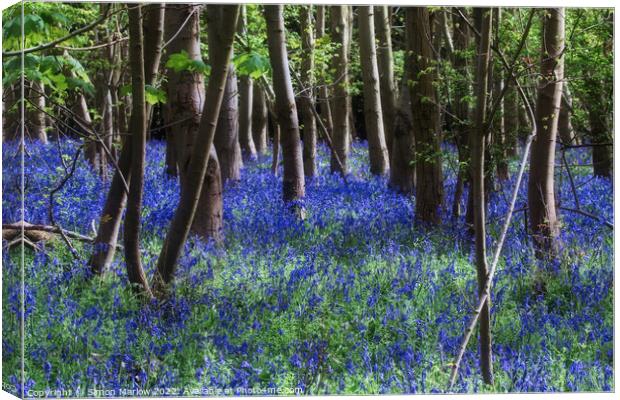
246	92
323	99
227	133
186	96
221	32
565	127
511	119
460	61
104	245
402	167
307	98
340	64
425	114
35	129
377	150
541	197
259	120
602	156
293	185
501	152
477	141
385	61
131	236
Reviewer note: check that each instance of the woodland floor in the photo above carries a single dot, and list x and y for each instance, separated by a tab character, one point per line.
355	299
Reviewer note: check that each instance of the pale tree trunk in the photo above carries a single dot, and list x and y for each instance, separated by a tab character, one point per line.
478	139
323	96
385	61
565	127
227	133
293	183
425	114
402	169
246	92
104	245
186	96
35	129
460	61
498	120
378	154
259	120
307	98
133	258
341	136
541	196
511	119
221	32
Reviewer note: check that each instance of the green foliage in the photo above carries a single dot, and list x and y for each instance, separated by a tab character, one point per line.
252	64
155	95
179	62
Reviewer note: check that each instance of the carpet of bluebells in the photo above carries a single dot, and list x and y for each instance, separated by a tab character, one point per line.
356	298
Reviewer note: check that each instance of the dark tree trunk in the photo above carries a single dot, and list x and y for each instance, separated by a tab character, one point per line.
307	100
373	113
460	60
259	120
323	95
221	32
341	135
477	141
541	196
499	127
511	119
385	60
227	133
186	95
602	157
293	184
402	167
425	114
131	236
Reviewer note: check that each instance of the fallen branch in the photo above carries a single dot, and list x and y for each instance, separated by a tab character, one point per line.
589	215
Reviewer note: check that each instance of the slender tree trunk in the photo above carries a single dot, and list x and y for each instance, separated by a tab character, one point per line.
131	236
221	32
460	61
35	129
104	245
323	100
259	120
402	167
307	101
425	113
385	60
293	185
565	127
246	92
340	64
478	139
498	120
186	96
602	156
511	119
541	196
373	113
227	134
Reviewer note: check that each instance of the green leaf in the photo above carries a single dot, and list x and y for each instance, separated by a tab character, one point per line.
154	95
178	61
125	90
252	64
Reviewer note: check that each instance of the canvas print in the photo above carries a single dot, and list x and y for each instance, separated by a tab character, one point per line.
205	199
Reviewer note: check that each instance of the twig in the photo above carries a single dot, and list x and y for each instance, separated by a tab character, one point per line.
94	47
589	215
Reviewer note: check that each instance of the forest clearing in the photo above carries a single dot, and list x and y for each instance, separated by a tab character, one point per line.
210	200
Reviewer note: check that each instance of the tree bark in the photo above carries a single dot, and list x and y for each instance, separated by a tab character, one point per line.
499	126
35	129
460	60
602	156
385	61
425	114
221	32
131	236
478	139
227	133
186	96
341	135
541	196
402	167
246	92
293	183
565	127
307	99
323	99
373	113
511	119
259	120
